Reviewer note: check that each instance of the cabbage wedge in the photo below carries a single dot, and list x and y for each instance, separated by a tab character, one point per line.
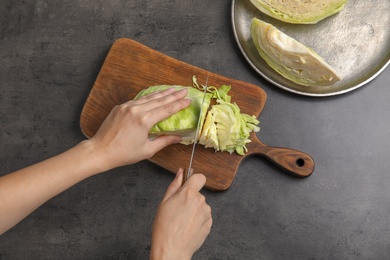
290	58
222	125
299	11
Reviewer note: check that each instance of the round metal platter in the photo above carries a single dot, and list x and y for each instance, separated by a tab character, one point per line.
355	42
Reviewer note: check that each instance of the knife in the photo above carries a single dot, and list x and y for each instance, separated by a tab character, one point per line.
189	171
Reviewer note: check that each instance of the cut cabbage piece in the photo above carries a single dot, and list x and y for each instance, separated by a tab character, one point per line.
299	11
227	129
222	126
290	58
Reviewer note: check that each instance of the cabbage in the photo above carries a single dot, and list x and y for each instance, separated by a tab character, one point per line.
299	11
222	126
226	129
184	122
290	58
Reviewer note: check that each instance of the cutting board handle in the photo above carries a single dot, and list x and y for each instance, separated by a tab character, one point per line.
296	162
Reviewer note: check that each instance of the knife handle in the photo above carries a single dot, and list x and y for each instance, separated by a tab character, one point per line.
186	175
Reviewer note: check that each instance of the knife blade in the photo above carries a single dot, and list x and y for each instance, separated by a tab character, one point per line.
189	171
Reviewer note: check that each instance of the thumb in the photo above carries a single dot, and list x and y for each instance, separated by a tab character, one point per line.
163	141
175	185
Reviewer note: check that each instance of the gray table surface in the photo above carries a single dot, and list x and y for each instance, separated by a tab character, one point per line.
50	55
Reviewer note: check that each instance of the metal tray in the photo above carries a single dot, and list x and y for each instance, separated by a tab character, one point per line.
355	42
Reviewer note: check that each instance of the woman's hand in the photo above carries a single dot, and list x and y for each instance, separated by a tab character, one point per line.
183	220
123	137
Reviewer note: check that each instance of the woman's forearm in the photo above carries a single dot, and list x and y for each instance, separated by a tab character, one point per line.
121	140
23	191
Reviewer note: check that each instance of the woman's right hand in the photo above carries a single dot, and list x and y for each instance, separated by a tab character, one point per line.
183	219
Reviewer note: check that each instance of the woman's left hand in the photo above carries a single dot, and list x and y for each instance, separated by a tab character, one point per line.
123	137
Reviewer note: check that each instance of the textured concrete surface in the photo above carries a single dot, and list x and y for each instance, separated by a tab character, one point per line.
50	55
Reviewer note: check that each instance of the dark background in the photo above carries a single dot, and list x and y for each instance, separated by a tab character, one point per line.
50	56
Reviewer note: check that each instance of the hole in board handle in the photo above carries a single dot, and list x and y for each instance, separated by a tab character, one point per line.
300	162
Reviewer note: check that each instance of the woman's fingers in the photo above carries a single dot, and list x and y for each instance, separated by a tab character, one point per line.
163	141
166	110
160	98
154	95
175	185
196	181
158	106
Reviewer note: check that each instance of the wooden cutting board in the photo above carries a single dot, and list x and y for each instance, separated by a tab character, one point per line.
130	67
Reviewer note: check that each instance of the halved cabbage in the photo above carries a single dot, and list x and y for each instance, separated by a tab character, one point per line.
222	127
290	58
299	11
